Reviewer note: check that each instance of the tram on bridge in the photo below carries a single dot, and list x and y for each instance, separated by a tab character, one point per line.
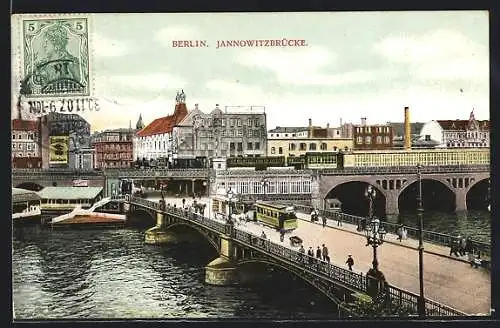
276	215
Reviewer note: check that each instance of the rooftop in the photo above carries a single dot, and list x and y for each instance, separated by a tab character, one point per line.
69	192
165	124
288	129
23	195
462	125
399	128
24	125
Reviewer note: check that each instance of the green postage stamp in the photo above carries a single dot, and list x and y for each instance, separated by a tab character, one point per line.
55	58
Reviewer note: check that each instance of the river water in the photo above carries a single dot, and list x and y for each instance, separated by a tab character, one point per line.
112	274
83	274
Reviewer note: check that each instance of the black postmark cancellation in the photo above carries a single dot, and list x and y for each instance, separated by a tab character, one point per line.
73	105
57	77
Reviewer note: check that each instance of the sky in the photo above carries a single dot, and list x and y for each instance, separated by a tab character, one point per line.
360	64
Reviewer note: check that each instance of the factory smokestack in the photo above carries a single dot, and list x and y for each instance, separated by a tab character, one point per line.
407	137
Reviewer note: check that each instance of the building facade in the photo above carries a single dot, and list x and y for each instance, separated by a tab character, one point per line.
155	140
63	138
25	144
469	133
296	141
368	137
235	132
114	148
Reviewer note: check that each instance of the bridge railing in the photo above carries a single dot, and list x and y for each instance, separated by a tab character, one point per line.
361	170
157	172
429	236
349	278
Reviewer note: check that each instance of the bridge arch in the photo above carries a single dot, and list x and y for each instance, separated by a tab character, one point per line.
436	192
212	238
330	294
478	195
141	216
351	194
30	186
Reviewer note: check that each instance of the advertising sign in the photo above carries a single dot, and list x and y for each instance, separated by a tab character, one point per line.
58	150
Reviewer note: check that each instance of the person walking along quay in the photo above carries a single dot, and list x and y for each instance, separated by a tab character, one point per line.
324	221
350	262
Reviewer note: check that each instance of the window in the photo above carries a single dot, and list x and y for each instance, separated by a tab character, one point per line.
359	140
249	122
292	146
280	150
379	140
323	146
334	148
240	132
257	122
338	132
231	146
249	146
387	140
240	146
13	136
286	134
239	122
223	122
312	146
273	150
302	146
427	137
13	146
368	140
257	146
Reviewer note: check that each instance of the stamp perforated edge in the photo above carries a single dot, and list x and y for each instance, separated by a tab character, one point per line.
17	20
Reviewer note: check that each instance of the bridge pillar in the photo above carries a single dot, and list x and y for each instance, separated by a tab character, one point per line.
460	199
222	271
156	235
316	200
391	203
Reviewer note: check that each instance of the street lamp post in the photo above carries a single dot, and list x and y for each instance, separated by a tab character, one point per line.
264	184
375	233
420	212
230	195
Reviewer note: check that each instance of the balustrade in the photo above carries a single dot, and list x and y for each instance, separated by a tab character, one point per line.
317	267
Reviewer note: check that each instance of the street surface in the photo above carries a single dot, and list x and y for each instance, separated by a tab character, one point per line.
447	280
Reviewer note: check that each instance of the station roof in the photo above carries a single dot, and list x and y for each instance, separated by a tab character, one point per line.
23	195
69	192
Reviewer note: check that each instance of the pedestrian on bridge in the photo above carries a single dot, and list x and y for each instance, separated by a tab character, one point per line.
302	251
325	254
324	221
339	220
183	202
350	262
282	234
399	232
310	255
318	253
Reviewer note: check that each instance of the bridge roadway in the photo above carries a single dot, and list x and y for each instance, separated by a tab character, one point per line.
447	280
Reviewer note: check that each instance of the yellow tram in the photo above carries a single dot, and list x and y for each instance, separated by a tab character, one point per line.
276	215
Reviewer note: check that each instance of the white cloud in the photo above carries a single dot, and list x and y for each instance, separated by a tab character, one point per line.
154	81
235	90
443	54
104	47
306	66
168	34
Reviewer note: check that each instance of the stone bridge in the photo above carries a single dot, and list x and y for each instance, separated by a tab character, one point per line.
237	247
391	182
30	178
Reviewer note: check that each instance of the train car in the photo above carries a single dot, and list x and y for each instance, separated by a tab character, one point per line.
276	215
324	160
297	162
260	163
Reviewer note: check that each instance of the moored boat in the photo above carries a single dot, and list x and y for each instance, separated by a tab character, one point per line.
80	218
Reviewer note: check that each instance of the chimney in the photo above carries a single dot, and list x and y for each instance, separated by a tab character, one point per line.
363	121
310	122
327	125
310	128
407	136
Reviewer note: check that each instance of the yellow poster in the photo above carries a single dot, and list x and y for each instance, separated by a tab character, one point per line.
58	150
